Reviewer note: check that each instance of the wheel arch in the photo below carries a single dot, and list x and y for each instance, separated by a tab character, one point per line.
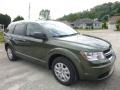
67	54
8	44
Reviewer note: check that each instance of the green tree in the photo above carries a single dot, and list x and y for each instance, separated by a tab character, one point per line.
5	19
102	12
44	14
18	18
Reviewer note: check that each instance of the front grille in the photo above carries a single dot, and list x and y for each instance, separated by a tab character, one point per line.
108	56
108	53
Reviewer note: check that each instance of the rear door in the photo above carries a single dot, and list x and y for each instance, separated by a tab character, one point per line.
29	46
18	37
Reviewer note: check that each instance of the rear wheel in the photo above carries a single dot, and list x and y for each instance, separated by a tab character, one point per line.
64	71
10	54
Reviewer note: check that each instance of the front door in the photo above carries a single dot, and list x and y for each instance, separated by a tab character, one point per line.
34	48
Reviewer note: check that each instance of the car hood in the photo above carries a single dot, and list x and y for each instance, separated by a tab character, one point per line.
87	41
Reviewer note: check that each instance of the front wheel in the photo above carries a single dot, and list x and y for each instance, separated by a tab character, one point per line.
64	71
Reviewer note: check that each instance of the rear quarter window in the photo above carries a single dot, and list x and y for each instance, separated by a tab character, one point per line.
10	28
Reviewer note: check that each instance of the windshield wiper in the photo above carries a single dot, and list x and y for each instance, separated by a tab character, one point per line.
66	35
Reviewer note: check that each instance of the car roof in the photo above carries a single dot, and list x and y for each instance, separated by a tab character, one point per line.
37	21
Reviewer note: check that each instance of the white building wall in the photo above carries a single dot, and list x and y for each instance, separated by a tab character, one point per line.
97	26
112	26
1	27
84	26
81	26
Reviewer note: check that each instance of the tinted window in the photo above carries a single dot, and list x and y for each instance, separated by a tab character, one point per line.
32	27
20	29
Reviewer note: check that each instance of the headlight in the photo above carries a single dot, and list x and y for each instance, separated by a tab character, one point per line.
92	56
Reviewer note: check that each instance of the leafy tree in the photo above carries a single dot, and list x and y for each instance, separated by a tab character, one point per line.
45	14
5	19
18	18
102	12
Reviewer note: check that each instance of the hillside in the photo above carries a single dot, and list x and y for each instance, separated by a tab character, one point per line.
102	12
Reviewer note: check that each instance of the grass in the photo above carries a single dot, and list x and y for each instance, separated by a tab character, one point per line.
1	37
117	30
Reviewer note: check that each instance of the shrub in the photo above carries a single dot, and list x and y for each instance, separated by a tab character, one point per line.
104	25
1	37
118	25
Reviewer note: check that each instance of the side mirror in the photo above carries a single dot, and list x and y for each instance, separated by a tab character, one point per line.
39	35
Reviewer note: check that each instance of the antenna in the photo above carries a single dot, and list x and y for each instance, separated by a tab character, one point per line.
29	11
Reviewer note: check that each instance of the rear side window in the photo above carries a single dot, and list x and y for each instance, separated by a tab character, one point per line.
20	29
33	27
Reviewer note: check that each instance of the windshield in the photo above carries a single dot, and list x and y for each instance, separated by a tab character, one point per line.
57	29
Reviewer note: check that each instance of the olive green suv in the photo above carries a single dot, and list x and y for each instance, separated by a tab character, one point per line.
70	55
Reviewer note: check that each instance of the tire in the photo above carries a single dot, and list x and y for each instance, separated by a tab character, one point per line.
10	54
64	71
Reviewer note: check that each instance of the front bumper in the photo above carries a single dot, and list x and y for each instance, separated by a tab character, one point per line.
99	72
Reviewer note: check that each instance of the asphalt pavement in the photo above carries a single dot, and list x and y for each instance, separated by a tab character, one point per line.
26	75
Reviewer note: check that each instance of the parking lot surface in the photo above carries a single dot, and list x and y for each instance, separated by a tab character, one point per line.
25	75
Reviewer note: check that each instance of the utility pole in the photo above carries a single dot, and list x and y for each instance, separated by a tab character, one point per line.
29	12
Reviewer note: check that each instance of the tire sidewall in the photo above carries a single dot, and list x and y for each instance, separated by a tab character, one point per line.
68	63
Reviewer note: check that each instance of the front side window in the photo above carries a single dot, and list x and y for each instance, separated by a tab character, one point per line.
20	29
32	27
